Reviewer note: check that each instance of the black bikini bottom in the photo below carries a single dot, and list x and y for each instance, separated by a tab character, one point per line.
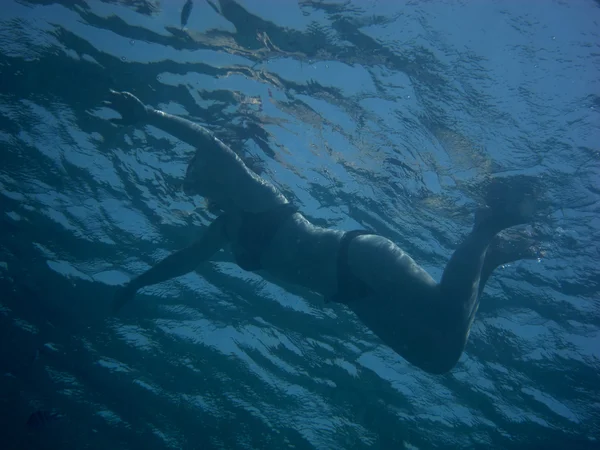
349	287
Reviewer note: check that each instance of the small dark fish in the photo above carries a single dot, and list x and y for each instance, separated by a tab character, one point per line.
42	418
185	12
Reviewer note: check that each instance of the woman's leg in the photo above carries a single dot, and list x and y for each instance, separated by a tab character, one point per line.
505	250
465	275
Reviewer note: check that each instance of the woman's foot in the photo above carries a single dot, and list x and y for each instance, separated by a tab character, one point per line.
509	202
508	247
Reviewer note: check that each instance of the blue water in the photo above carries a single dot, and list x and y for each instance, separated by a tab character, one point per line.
381	114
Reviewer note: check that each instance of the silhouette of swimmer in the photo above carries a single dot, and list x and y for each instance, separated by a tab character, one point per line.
425	322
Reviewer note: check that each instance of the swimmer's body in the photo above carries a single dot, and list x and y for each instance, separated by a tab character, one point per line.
425	322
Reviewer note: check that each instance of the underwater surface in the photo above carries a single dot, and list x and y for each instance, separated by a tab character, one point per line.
378	114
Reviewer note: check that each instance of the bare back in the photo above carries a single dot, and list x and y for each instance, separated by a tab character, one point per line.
300	253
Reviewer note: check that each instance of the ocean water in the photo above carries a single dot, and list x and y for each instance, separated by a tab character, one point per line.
382	114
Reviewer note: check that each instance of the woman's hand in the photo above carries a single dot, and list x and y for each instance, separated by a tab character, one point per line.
132	110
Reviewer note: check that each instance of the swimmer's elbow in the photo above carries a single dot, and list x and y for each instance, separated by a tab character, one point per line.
213	240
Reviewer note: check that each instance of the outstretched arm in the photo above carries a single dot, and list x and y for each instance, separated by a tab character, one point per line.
177	264
187	131
134	112
216	171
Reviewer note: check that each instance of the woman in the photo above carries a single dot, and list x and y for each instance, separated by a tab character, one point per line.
425	322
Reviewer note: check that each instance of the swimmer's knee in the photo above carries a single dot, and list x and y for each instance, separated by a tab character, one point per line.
440	365
440	357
